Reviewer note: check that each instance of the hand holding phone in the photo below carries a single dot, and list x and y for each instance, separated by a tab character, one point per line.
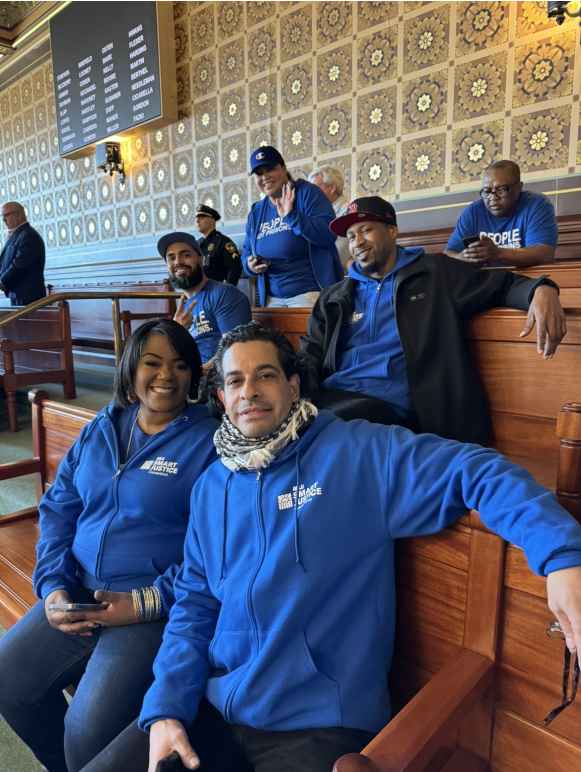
76	606
470	240
171	763
257	264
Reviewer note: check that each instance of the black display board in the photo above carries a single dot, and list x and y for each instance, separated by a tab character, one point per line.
106	68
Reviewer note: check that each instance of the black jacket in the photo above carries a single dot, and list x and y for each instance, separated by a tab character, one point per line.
434	297
221	258
22	266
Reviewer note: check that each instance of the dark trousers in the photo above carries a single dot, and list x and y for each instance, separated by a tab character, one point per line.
37	662
350	405
224	747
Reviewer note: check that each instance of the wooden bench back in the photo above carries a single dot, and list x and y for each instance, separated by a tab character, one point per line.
45	326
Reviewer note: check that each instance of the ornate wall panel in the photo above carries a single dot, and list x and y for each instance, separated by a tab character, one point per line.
412	100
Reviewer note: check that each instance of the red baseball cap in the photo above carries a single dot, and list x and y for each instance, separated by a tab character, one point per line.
361	209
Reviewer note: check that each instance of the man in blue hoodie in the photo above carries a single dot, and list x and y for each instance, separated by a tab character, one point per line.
388	342
258	666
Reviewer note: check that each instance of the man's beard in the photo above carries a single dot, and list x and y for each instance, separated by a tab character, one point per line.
187	282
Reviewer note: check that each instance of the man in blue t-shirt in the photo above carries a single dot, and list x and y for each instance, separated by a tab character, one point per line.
506	226
207	308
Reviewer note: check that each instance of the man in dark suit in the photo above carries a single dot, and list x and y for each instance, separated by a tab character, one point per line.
22	258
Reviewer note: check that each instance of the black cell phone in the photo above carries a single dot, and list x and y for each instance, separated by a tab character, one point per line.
171	763
76	606
470	240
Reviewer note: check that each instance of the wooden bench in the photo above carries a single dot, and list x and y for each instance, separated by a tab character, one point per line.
36	349
472	664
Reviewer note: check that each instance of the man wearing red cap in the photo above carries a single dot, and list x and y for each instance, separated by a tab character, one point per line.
388	341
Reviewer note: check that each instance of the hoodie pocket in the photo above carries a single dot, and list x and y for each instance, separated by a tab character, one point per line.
229	650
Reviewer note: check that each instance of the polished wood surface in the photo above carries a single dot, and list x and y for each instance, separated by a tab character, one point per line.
36	349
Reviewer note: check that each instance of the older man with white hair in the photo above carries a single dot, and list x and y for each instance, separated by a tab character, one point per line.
331	181
22	258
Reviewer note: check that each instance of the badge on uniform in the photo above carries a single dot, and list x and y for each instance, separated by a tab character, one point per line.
210	247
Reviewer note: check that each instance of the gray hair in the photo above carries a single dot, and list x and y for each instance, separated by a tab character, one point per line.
331	176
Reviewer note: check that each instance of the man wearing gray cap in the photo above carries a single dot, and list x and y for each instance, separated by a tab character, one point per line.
388	342
221	255
207	308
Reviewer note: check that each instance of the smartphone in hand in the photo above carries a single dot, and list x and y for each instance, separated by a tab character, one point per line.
77	606
470	240
171	763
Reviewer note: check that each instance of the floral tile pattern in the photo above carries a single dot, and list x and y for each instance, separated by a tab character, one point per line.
142	217
261	49
160	175
232	62
159	141
426	40
263	135
423	163
211	197
334	127
376	115
183	169
259	11
425	101
207	162
371	13
333	22
230	19
532	17
163	214
543	69
124	218
480	24
236	202
206	119
377	57
334	73
233	109
541	140
376	172
185	213
202	30
182	133
480	87
475	148
203	75
107	223
297	137
262	99
296	33
234	155
182	40
296	86
183	85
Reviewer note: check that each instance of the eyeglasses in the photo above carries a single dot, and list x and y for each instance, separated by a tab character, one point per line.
570	681
497	192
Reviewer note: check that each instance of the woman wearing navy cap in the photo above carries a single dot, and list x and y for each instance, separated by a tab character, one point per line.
288	244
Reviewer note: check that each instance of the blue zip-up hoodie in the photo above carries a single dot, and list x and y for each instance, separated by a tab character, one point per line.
103	526
309	218
285	605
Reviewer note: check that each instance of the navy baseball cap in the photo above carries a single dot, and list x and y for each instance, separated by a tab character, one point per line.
177	236
265	156
361	209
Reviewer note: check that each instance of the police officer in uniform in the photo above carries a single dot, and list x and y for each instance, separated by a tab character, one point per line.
221	255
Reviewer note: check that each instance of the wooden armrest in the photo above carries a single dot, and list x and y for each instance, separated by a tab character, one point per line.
19	468
413	737
25	345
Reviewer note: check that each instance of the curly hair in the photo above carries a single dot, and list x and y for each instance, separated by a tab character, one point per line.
292	362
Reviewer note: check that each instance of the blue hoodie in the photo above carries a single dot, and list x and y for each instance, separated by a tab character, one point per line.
309	218
370	357
108	529
285	605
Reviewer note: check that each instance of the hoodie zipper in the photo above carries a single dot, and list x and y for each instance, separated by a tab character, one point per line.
249	605
116	480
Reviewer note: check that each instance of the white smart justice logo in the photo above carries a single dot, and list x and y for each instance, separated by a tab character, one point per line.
287	500
160	466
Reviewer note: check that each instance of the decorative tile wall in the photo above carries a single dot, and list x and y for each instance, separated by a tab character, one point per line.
410	99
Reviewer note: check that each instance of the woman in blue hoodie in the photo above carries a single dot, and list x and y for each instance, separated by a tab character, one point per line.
112	528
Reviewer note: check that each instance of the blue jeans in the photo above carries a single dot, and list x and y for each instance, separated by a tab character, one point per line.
37	662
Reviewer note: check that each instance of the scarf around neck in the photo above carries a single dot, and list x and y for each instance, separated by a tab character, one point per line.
239	452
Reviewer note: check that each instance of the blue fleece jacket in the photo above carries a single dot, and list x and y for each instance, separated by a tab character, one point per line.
103	526
370	357
309	218
285	605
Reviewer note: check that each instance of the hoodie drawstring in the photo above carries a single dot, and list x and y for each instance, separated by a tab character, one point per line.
225	527
298	558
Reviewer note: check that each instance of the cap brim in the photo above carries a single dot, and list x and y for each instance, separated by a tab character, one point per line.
172	238
341	225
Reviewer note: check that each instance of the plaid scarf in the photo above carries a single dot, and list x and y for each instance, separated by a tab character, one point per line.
239	452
